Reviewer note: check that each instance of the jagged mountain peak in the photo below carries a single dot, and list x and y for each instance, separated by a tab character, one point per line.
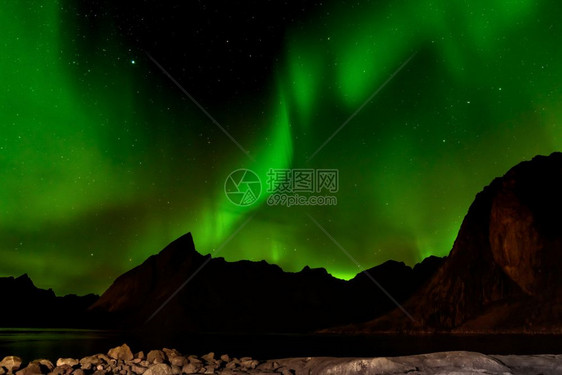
503	273
179	289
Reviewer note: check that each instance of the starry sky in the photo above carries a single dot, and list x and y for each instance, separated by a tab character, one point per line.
120	123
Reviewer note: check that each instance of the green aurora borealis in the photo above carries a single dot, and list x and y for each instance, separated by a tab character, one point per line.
103	161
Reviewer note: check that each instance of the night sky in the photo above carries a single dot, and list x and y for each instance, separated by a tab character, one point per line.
104	159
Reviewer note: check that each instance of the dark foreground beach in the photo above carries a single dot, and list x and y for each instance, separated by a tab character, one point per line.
121	360
65	351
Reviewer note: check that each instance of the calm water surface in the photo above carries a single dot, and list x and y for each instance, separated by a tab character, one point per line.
54	343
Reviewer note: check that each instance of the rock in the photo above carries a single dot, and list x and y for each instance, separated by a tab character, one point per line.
155	356
179	361
99	372
78	372
285	371
159	369
208	357
433	363
170	353
231	365
67	361
2	370
249	363
62	370
89	362
31	369
140	355
138	369
11	363
122	352
269	366
525	222
225	358
103	357
45	365
194	359
176	370
191	368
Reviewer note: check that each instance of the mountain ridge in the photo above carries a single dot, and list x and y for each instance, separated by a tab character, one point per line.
24	300
502	275
301	301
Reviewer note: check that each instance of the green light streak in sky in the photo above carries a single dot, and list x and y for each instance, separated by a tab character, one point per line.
275	152
417	184
306	70
97	174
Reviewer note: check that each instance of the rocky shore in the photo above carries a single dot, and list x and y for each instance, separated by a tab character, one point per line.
121	360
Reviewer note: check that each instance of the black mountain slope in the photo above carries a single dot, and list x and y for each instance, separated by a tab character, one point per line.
181	290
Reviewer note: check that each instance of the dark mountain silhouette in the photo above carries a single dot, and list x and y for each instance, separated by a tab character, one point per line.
504	273
244	296
25	305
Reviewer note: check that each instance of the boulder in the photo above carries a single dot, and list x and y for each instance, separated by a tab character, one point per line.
140	355
122	352
138	369
191	368
31	369
178	360
433	363
67	361
159	369
170	353
194	359
249	363
45	365
269	366
103	357
89	362
11	362
155	356
231	365
62	370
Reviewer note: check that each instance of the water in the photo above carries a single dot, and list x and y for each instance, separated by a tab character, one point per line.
34	343
54	343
